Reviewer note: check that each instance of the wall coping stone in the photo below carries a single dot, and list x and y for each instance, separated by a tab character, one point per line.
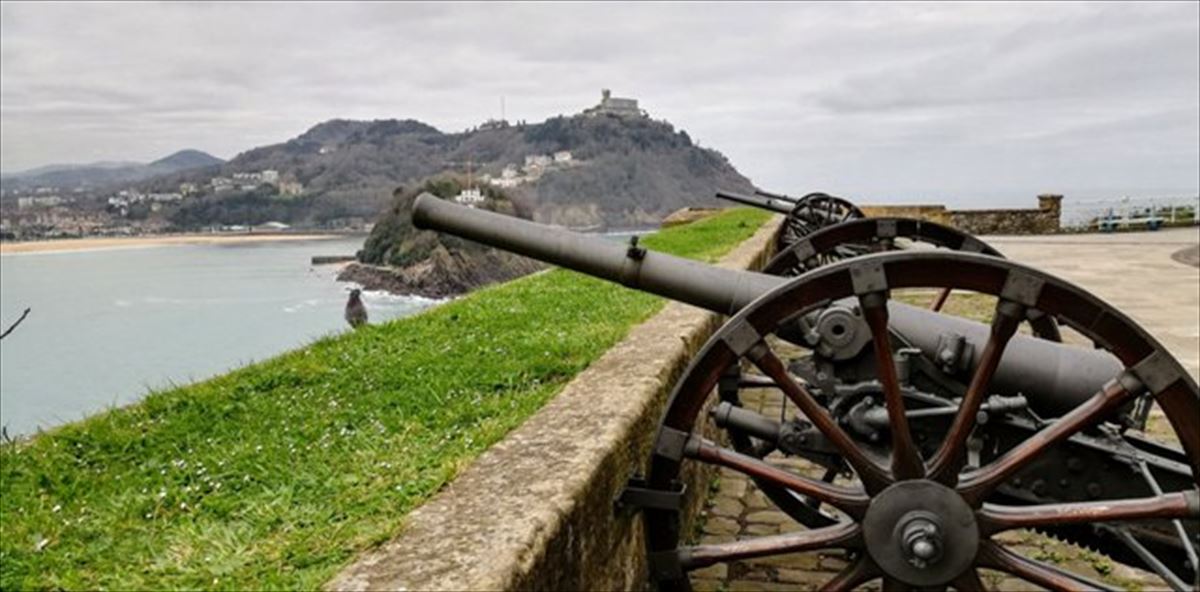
535	511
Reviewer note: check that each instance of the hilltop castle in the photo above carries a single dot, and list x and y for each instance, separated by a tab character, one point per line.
614	106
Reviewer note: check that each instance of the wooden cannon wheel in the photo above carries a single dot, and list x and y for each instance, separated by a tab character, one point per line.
916	516
814	212
855	238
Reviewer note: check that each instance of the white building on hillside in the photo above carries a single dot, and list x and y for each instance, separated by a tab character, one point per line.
537	161
470	197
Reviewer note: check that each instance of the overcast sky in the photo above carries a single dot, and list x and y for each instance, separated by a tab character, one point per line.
967	103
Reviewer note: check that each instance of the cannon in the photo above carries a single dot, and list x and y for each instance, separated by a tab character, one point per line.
931	435
802	216
847	234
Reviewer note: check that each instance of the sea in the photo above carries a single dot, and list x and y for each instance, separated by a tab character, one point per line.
107	326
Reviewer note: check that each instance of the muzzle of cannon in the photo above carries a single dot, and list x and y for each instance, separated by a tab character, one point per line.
772	203
934	433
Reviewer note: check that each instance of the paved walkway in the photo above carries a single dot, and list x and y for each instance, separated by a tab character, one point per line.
1133	271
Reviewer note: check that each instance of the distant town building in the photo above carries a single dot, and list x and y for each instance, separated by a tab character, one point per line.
535	166
249	181
614	106
470	197
509	177
39	202
290	188
221	184
537	161
186	189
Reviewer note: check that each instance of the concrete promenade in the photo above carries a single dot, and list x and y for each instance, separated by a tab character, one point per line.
1133	271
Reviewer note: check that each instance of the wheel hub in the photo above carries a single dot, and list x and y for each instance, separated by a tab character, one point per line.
921	532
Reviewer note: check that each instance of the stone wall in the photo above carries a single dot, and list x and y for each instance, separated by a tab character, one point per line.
1042	220
687	216
536	511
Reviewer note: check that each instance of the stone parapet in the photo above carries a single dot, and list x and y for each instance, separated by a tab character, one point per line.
536	511
1041	220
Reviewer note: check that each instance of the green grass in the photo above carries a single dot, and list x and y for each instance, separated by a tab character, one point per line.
276	475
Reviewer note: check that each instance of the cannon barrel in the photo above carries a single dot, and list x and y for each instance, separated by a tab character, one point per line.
1054	377
779	206
778	196
706	286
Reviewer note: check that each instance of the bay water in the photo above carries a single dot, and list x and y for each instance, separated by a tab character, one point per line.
109	325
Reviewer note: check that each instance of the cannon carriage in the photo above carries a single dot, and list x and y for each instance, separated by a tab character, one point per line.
934	433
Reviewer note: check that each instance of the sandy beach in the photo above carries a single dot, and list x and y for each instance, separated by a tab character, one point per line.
84	244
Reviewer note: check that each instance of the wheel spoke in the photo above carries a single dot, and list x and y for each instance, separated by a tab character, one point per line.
1181	504
978	485
851	501
1035	572
906	459
837	536
852	576
871	474
948	460
940	300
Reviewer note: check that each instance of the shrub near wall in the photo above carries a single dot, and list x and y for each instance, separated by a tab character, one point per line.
276	475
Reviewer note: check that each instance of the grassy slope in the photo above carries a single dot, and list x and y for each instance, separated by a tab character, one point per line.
275	475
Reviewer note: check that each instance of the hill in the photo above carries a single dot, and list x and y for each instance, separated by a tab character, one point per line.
622	171
104	174
184	160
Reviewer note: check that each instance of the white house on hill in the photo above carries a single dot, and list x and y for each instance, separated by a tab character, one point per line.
470	197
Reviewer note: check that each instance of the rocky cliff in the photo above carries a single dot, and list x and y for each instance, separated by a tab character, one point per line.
403	260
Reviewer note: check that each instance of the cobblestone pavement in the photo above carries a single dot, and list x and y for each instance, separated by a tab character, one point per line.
738	510
1118	268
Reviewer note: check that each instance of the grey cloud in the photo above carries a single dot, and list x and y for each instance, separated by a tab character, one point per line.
879	100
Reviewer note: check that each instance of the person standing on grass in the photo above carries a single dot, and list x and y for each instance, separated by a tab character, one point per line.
356	313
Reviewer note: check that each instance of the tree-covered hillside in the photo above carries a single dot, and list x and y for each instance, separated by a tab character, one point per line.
624	171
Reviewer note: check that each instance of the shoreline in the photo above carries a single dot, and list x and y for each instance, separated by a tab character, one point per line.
97	243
